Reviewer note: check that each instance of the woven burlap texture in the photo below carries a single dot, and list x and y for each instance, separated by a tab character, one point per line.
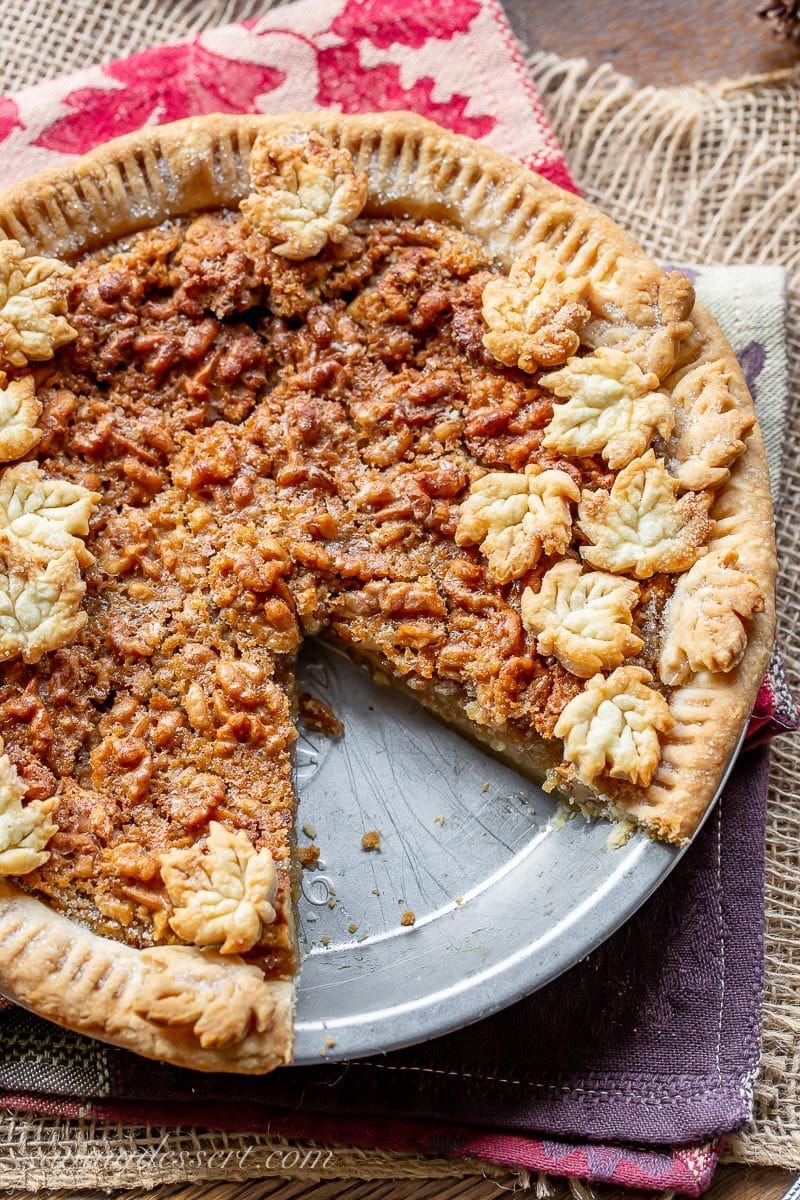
705	174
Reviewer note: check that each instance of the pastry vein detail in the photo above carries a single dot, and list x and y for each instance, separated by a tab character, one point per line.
25	830
640	526
42	526
306	193
612	408
534	316
19	413
33	305
706	618
613	727
583	618
222	999
710	427
516	517
221	891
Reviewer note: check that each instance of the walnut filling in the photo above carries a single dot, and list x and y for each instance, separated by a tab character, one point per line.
282	448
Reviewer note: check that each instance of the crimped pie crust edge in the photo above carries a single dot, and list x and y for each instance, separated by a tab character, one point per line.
412	165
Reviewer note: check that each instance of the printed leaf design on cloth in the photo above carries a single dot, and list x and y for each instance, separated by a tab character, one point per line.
33	304
612	408
514	517
9	117
40	600
710	426
613	726
184	986
222	892
19	412
158	85
378	22
534	315
51	514
705	618
305	193
24	831
639	526
583	618
345	83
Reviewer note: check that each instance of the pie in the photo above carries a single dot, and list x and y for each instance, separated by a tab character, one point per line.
355	378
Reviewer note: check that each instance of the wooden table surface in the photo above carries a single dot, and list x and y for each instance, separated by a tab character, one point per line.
662	42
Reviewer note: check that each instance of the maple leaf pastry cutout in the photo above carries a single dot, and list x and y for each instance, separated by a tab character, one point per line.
306	193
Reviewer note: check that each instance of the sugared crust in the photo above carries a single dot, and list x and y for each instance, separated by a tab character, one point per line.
102	988
412	166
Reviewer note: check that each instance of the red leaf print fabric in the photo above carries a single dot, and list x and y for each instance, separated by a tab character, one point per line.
455	62
344	83
385	24
158	86
9	117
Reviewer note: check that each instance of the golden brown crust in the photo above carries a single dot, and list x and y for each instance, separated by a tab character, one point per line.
152	1002
412	166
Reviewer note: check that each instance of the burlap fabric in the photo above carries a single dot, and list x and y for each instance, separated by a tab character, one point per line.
705	174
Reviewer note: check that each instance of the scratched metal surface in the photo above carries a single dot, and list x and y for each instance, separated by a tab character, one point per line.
455	823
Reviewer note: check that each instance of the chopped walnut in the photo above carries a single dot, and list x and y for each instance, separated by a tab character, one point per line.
223	1001
705	618
642	310
584	619
613	727
19	412
223	892
639	526
40	600
306	193
33	301
515	518
535	315
613	408
319	716
710	427
24	831
51	514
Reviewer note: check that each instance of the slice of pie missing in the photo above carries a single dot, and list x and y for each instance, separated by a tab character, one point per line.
357	378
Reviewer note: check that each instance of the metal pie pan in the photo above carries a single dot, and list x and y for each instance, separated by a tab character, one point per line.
506	893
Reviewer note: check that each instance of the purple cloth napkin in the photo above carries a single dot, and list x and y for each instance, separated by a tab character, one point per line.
653	1039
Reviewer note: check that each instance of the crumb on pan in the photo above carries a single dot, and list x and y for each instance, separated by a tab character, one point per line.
308	856
319	716
371	840
407	917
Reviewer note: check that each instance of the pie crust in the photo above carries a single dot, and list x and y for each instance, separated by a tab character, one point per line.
579	280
